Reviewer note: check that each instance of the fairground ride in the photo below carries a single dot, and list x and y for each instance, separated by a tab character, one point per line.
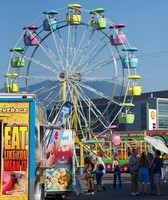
64	56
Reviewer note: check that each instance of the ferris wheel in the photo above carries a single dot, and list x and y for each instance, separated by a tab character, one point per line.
76	55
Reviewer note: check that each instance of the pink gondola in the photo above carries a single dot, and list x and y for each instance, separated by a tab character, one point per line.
30	36
119	38
116	139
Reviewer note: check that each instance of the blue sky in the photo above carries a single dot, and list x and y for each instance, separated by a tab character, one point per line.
146	28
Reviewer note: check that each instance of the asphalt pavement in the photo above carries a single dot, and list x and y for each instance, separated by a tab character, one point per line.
117	194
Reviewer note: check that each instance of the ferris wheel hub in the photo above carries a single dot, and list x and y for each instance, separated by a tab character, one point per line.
62	75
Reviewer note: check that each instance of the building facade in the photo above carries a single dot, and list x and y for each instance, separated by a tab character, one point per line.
151	112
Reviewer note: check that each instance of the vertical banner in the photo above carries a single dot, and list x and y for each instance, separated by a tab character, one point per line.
152	119
60	155
14	153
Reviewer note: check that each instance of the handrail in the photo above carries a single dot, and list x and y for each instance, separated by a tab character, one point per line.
106	148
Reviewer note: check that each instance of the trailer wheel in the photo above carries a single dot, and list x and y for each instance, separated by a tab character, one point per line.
61	196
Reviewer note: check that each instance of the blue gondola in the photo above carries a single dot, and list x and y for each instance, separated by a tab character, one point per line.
131	61
50	23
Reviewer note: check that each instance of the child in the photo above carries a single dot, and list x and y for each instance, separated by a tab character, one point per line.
90	178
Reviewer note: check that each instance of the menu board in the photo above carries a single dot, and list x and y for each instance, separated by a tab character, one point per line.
61	177
59	155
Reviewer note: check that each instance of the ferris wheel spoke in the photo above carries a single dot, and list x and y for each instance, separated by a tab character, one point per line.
93	108
85	78
85	99
39	90
50	88
53	100
74	44
84	117
54	108
50	55
72	40
58	51
51	96
48	96
96	92
82	51
76	107
72	47
67	48
37	77
92	67
31	59
90	57
92	51
79	46
62	48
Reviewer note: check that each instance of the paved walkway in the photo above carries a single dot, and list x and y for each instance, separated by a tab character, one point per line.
118	194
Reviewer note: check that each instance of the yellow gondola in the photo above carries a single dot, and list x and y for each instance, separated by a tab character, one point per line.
73	17
135	90
14	87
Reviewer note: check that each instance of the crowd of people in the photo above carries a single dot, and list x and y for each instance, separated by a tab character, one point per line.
144	169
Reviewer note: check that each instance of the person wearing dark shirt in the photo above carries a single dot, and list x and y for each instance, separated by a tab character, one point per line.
157	175
133	163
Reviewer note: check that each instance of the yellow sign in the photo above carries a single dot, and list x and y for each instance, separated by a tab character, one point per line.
14	118
153	115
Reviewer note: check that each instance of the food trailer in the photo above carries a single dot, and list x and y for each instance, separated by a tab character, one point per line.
20	119
36	158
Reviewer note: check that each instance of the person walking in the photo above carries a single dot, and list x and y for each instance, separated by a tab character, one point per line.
157	175
89	175
133	163
150	157
99	171
143	173
117	172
